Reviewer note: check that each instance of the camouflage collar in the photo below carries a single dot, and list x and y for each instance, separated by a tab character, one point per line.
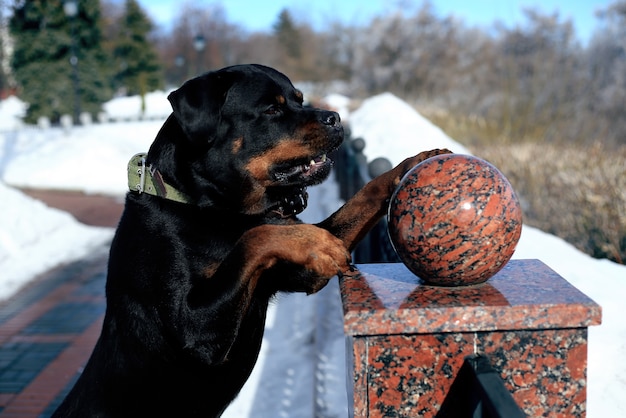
142	179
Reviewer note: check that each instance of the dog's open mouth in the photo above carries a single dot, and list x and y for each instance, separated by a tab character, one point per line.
313	171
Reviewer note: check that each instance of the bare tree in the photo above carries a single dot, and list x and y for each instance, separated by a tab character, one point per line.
606	59
536	77
201	39
415	55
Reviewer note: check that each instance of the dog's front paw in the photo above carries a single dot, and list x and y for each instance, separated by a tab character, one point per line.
433	152
321	254
406	165
316	254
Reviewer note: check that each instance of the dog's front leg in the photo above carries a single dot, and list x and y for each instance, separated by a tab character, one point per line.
304	248
355	219
307	256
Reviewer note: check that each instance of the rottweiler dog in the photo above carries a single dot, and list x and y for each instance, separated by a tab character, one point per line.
208	236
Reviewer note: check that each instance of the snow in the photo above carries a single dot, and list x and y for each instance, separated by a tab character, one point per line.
393	129
34	238
129	108
11	112
301	366
86	158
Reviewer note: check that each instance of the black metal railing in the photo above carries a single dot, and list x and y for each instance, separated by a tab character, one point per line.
479	392
352	171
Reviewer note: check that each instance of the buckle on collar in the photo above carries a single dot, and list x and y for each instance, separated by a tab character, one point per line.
143	178
141	172
142	175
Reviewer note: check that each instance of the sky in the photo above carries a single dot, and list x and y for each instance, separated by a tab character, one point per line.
259	16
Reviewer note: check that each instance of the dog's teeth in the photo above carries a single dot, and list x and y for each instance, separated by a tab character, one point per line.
324	158
312	163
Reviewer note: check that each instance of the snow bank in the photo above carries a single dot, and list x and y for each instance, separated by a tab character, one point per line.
91	158
12	110
129	108
34	238
393	129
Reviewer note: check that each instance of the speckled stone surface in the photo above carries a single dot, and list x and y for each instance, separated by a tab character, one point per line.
454	219
407	340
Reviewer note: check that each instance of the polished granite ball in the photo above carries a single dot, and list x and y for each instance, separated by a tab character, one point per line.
454	220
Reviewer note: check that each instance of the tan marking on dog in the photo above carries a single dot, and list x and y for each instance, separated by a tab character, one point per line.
299	95
254	202
237	144
281	99
210	269
286	150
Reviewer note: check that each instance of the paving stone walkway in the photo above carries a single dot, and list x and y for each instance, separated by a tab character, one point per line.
47	332
48	329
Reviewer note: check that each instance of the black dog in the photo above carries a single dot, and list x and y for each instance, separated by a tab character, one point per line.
208	235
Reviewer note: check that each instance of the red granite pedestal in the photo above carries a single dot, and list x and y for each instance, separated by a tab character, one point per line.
407	341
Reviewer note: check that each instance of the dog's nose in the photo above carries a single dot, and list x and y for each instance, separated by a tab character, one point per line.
331	118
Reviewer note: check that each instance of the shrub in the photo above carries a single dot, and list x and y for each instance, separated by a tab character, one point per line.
575	192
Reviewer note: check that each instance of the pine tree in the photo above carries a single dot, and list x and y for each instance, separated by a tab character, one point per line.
41	62
287	35
138	67
5	76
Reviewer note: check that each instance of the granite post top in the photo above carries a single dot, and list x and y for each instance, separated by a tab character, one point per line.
384	299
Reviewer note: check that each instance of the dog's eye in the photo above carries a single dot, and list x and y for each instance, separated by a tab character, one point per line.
272	110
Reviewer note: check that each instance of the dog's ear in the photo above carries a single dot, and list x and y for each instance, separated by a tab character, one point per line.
198	102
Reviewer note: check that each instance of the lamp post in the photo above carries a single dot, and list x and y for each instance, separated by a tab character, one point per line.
70	7
198	44
179	62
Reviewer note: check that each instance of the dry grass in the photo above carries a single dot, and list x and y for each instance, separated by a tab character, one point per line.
574	191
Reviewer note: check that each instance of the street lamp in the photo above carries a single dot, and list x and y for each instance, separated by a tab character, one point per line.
70	7
198	44
179	61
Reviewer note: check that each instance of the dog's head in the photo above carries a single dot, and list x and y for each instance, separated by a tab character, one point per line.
241	139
